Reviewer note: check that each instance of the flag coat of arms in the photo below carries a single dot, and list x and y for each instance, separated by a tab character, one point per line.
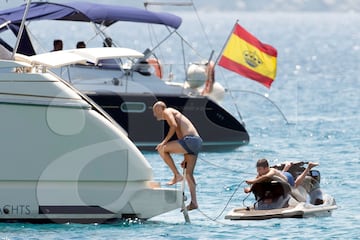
247	56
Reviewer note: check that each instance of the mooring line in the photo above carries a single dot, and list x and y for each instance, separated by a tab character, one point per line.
219	166
226	205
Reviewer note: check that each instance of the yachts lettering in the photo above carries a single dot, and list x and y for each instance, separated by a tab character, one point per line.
15	209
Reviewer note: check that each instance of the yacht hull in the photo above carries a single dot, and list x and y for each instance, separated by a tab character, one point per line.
63	159
219	130
56	202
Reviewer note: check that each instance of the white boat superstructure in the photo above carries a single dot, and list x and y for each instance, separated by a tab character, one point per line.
120	70
64	159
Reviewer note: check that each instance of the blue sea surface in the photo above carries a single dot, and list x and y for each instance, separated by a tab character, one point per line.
313	115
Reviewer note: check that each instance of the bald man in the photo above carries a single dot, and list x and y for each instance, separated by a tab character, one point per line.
189	143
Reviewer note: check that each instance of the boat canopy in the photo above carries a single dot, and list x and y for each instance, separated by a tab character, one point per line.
77	11
88	12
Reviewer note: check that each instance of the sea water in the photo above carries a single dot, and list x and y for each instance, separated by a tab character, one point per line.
311	113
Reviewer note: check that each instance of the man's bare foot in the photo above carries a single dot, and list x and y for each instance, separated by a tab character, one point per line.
191	206
176	179
312	164
287	166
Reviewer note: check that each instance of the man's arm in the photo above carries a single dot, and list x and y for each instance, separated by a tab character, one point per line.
262	178
170	119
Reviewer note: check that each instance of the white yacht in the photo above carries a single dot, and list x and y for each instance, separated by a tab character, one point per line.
63	159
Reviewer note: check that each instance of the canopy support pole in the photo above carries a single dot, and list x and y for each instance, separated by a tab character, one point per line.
18	38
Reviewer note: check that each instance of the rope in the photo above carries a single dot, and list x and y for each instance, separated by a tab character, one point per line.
219	166
215	219
208	217
245	199
226	205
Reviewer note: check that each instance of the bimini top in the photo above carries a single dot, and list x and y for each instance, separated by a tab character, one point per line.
88	12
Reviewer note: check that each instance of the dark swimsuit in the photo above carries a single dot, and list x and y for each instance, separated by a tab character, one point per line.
290	178
192	144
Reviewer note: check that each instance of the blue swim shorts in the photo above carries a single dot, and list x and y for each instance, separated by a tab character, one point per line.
290	178
192	144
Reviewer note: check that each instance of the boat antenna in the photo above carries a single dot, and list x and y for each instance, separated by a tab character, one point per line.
22	26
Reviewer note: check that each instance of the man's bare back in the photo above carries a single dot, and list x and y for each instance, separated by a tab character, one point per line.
184	126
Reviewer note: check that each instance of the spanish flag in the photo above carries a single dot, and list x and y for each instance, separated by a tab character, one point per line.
247	56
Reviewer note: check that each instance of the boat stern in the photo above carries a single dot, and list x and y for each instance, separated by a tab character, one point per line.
151	202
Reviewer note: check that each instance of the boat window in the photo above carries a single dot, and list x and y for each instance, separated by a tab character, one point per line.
137	107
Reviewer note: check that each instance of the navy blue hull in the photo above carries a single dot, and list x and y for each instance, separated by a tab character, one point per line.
218	128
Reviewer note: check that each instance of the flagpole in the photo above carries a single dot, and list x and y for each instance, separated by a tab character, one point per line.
216	61
227	39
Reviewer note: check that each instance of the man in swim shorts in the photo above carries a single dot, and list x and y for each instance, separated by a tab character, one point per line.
265	172
189	144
